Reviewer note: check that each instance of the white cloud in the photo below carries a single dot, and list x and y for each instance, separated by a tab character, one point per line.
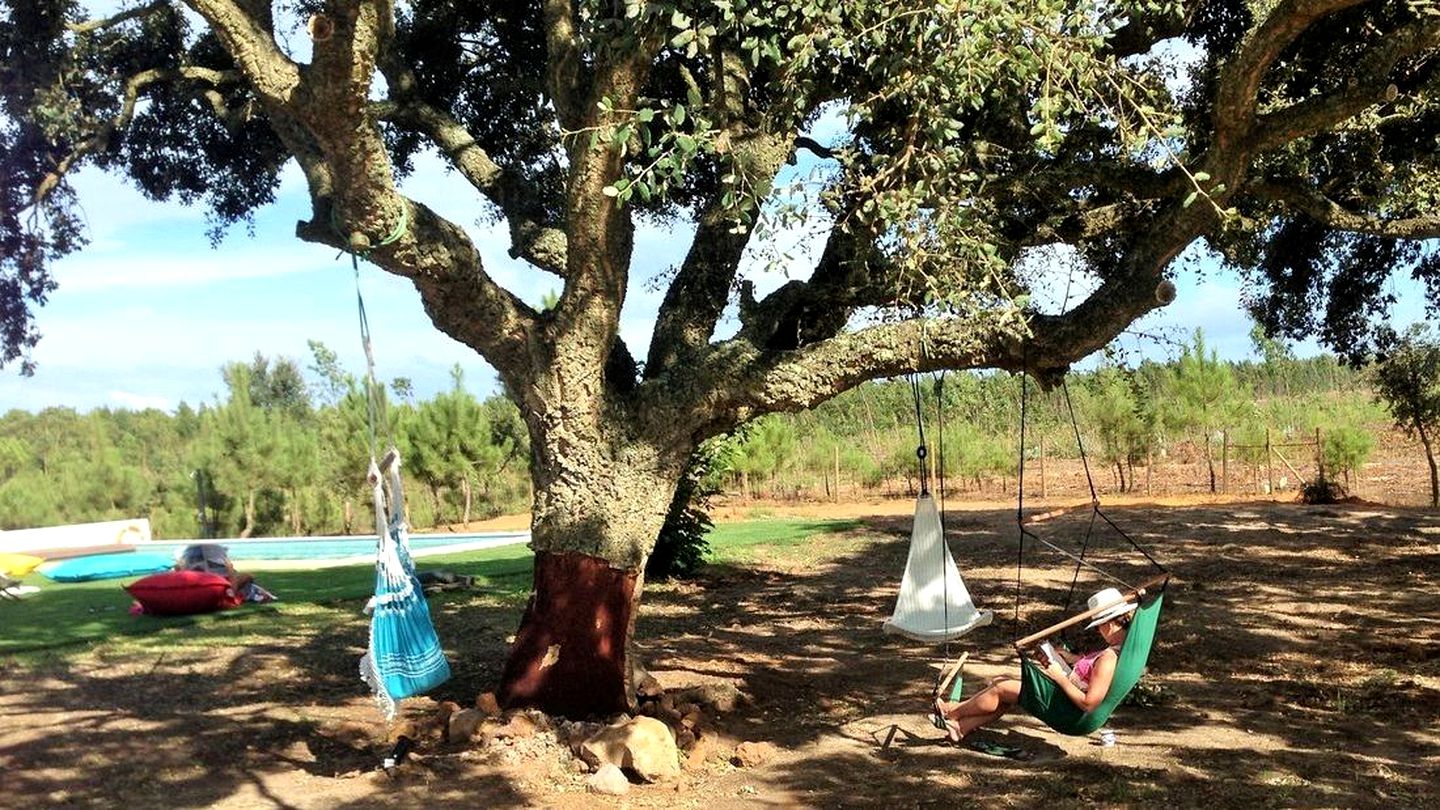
139	402
131	269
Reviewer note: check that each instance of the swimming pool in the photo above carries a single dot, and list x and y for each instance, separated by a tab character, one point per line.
347	549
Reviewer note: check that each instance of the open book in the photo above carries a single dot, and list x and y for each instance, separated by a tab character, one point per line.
1054	657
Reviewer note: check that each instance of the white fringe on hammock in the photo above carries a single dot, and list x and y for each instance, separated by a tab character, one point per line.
933	604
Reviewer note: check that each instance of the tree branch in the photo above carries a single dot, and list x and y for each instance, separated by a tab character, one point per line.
130	93
91	26
1240	80
461	299
1327	212
697	297
800	313
752	382
563	63
1370	86
532	237
814	147
324	116
273	75
600	231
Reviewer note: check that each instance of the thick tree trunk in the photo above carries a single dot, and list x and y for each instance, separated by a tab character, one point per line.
571	655
596	519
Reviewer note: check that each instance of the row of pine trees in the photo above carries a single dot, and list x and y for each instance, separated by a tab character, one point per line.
286	450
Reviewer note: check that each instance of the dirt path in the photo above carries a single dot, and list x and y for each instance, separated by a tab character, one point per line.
1298	665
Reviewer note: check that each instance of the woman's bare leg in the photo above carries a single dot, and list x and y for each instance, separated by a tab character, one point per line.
984	707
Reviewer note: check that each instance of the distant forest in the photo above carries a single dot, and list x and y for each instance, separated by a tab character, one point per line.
286	451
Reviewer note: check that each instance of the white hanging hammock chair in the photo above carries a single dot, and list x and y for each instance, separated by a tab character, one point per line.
933	604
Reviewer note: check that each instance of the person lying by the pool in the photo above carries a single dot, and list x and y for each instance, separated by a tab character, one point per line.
213	558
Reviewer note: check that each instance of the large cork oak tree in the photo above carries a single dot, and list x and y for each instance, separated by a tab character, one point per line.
985	148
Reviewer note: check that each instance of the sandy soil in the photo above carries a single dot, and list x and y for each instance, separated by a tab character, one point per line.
1298	665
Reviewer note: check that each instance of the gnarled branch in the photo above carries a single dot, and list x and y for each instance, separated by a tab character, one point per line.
1371	85
1239	89
130	94
532	237
101	23
563	62
1327	212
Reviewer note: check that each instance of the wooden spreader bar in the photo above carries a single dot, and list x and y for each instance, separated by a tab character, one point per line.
1031	520
1025	643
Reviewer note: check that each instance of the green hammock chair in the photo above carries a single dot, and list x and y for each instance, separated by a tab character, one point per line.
1039	695
1042	697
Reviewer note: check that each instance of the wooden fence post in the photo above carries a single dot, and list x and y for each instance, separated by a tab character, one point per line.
1269	466
1225	462
1319	455
1149	465
837	472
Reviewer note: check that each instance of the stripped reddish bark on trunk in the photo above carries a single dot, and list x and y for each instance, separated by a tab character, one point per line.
571	652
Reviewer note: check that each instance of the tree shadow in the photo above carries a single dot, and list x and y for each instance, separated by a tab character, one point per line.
1296	661
1296	665
196	725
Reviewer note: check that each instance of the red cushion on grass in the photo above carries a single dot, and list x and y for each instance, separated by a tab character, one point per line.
181	593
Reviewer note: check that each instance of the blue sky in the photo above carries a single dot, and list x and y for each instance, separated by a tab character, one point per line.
146	315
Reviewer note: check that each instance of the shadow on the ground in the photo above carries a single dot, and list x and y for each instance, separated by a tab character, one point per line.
1310	629
179	729
1297	665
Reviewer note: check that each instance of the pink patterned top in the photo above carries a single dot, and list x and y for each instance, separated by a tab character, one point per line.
1084	665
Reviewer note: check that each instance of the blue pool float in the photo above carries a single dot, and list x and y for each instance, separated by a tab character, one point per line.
106	566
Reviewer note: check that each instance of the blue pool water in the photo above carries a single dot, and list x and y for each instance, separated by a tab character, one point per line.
332	548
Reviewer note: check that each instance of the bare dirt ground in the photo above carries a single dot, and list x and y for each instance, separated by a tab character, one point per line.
1298	665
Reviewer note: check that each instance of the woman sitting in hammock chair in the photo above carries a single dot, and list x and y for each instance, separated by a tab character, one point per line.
1086	685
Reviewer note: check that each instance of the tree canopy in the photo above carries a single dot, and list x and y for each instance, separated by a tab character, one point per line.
1298	137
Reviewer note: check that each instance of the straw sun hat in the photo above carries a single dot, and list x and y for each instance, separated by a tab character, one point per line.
1117	606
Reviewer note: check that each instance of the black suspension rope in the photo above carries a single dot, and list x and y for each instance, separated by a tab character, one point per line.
940	470
1094	498
1095	510
921	450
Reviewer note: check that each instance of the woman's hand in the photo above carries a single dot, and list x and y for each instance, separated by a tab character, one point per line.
1055	673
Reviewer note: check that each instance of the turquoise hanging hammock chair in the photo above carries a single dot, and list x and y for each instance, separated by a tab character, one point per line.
403	657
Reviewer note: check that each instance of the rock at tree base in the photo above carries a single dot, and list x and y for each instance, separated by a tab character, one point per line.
608	781
642	744
523	725
463	724
649	687
721	698
754	754
700	751
487	704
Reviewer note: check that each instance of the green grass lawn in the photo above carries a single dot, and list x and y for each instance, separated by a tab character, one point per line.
66	618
